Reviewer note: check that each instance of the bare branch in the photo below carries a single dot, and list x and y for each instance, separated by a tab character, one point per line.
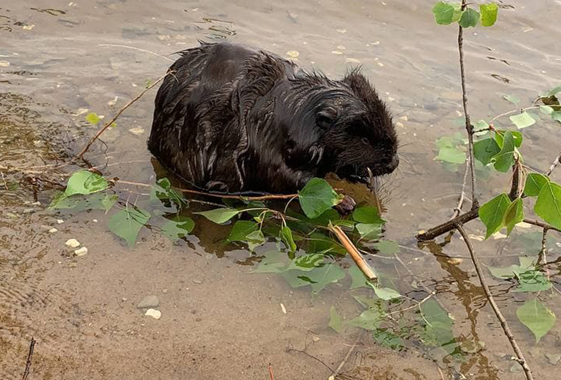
29	359
494	305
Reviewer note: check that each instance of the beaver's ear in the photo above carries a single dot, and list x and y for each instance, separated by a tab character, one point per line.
326	117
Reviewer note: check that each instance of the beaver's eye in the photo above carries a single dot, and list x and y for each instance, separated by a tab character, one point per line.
365	141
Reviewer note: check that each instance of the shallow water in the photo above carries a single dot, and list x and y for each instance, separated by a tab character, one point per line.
220	320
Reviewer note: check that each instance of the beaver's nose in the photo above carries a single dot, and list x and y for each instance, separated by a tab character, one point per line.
393	164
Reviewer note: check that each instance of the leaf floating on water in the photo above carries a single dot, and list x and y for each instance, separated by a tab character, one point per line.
537	317
512	98
385	293
128	222
92	118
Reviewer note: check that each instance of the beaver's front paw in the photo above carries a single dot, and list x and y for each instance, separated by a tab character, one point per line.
346	206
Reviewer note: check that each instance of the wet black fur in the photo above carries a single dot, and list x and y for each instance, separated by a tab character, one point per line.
234	119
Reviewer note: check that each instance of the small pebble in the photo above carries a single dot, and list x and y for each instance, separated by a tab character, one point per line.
337	52
293	53
164	291
553	359
28	27
283	308
148	302
341	47
352	60
94	220
399	125
81	252
404	118
137	131
53	230
342	30
4	64
156	314
28	211
316	339
72	243
197	282
60	221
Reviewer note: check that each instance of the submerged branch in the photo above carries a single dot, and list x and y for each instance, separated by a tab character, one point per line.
110	122
29	359
494	306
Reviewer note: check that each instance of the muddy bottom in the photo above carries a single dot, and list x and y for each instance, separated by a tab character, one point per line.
218	318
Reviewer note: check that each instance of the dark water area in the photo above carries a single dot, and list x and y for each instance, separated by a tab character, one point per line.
60	60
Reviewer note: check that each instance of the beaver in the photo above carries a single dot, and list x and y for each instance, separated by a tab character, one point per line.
229	118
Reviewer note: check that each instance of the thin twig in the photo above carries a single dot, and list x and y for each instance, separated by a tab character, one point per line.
554	165
469	127
511	112
494	306
458	208
541	224
542	259
110	122
353	252
138	49
290	349
340	367
448	226
228	196
271	372
29	359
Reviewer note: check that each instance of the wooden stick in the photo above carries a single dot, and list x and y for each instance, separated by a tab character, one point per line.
108	124
271	372
494	306
29	359
355	254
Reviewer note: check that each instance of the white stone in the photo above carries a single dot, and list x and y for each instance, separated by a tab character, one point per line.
53	230
81	252
72	243
156	314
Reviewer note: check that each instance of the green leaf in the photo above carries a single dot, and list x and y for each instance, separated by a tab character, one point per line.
514	214
162	190
178	227
335	321
554	91
452	155
128	222
317	197
511	98
367	214
470	17
358	278
485	149
387	247
385	293
517	136
443	13
85	182
288	240
241	229
504	160
369	319
109	201
273	262
535	316
92	118
556	116
488	14
369	231
523	120
307	262
512	271
546	110
219	215
548	205
534	184
318	277
492	213
438	326
532	281
255	239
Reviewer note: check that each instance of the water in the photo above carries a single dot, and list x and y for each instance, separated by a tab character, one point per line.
219	320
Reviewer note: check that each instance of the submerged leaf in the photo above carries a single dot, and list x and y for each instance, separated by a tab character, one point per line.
335	321
511	98
92	118
385	293
523	120
178	227
85	182
535	316
128	222
367	214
